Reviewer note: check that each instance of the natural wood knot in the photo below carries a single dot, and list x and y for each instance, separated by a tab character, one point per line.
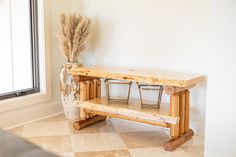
170	90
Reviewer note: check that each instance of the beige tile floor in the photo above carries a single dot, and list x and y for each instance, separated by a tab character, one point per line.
111	138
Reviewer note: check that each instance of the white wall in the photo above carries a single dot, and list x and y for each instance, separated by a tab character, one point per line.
148	32
221	105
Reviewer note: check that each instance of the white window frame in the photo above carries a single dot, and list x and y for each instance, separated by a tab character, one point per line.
45	93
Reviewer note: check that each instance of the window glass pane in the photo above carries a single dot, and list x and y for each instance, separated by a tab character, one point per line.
5	52
21	44
16	52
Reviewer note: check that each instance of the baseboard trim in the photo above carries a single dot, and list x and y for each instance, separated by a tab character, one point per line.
29	114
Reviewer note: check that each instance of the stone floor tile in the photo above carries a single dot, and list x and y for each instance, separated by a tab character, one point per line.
157	152
46	129
97	142
112	153
55	144
129	126
144	139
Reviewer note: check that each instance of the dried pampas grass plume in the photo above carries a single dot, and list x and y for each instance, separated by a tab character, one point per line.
73	34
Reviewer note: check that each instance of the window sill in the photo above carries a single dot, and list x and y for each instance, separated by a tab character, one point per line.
24	101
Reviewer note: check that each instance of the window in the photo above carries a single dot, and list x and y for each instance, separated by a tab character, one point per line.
19	70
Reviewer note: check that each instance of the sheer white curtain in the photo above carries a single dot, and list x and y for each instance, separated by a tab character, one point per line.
15	46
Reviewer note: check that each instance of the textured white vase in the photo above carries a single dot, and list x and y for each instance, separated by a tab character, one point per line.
69	90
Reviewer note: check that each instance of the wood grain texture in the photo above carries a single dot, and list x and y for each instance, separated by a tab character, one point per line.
164	125
98	87
174	111
187	111
92	93
170	90
88	122
174	143
83	91
88	89
95	88
83	114
182	112
132	110
157	76
78	78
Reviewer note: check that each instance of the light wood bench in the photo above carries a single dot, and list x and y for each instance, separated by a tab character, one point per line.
174	116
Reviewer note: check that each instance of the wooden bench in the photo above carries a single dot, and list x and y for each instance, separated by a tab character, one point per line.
174	116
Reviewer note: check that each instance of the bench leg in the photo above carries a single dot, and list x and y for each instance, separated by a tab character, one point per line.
174	111
180	133
174	143
88	122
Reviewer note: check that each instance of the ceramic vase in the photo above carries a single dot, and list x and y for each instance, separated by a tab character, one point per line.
69	90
